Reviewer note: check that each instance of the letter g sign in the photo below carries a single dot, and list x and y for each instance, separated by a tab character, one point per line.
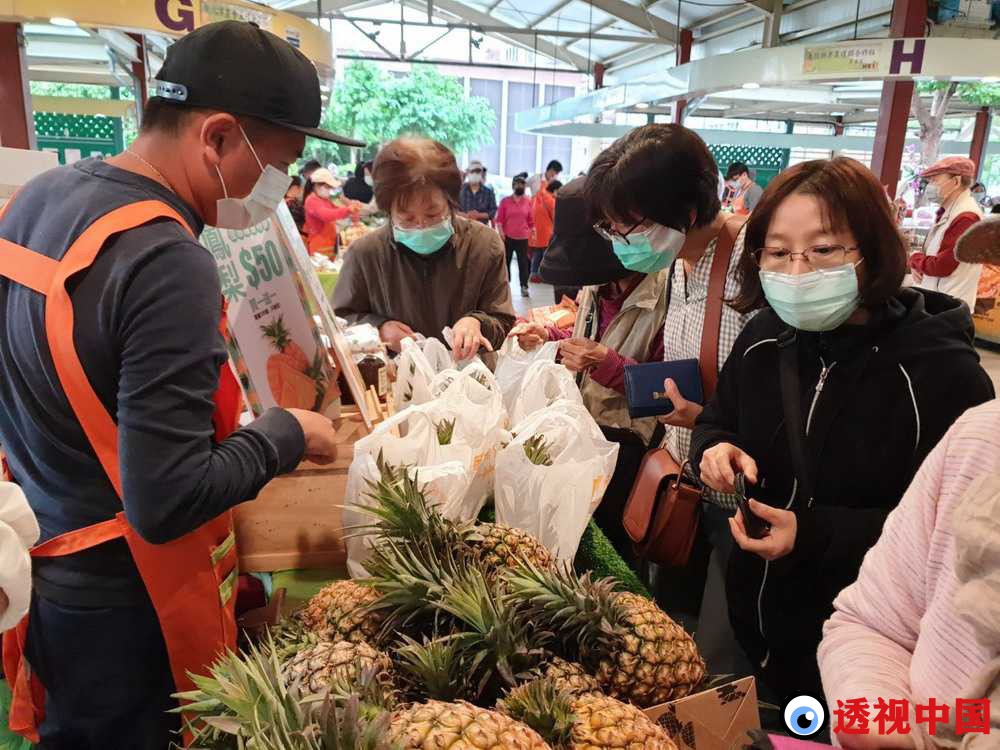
181	20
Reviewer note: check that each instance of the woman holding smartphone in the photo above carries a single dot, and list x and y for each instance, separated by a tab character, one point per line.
882	372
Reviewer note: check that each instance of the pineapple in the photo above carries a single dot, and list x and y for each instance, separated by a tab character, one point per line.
244	703
500	547
445	431
342	611
590	722
289	637
571	678
436	668
460	726
287	376
538	450
404	516
314	669
637	653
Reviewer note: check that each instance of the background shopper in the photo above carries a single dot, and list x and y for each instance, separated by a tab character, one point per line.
515	222
543	207
426	268
744	193
936	267
675	224
359	186
882	373
477	201
321	214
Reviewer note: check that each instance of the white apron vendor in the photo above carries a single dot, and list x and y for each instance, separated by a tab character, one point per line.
937	268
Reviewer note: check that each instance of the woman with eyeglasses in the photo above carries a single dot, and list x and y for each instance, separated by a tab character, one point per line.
834	394
427	268
655	193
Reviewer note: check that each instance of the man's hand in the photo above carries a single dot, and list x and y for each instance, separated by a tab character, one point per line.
580	355
321	438
917	275
392	332
780	540
529	335
685	412
468	338
4	602
720	463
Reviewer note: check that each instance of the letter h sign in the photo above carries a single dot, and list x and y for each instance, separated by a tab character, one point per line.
899	56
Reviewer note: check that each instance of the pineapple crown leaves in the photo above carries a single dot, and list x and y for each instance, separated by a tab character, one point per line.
502	643
445	431
347	726
276	331
538	450
541	705
583	611
373	687
437	668
244	697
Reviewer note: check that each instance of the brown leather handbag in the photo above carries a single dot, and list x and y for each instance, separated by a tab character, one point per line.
663	510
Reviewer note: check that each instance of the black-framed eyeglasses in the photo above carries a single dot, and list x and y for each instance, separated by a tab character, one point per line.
608	232
817	257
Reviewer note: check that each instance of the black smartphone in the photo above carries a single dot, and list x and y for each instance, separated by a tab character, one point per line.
757	527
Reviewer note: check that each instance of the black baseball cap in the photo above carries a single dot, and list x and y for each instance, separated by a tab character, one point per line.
239	68
577	255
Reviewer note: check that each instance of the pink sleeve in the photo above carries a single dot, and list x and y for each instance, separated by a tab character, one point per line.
558	334
906	586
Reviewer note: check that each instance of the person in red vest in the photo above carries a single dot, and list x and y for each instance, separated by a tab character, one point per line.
118	410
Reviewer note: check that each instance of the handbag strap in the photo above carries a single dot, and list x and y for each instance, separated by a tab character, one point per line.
788	370
708	359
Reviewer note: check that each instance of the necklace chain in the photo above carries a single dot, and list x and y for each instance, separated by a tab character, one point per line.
157	171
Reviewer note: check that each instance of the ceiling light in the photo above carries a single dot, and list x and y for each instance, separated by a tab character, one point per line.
751	85
65	22
642	105
838	114
872	109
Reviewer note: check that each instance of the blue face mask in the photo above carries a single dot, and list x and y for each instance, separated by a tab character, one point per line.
426	241
651	250
816	301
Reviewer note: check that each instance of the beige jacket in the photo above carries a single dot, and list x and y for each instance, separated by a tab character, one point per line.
964	281
631	334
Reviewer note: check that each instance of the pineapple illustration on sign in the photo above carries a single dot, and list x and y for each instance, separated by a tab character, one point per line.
295	382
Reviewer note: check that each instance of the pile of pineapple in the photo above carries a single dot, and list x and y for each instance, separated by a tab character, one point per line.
464	636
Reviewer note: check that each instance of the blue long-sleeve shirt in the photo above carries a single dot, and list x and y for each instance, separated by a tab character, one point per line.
146	331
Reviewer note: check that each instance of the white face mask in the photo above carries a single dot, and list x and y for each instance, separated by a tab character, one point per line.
267	193
475	178
369	180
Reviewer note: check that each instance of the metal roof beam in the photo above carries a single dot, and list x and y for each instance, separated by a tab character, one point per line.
479	18
497	28
638	16
560	6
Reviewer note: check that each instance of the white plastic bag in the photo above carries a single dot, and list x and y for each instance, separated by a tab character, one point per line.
513	365
554	503
444	472
472	398
544	383
416	366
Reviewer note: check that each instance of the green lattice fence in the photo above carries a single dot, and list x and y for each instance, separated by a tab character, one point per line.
75	137
764	162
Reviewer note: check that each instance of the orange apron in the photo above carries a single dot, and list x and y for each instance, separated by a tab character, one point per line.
192	580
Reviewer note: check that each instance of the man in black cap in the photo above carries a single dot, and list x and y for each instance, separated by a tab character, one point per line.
115	393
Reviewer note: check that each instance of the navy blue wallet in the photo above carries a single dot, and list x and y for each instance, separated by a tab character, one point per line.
644	386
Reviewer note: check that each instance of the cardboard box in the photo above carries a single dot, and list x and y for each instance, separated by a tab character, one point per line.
715	719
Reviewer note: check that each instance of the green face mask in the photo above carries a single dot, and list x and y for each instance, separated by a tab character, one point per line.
426	241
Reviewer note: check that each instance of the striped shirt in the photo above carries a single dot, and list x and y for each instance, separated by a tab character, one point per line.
895	633
683	329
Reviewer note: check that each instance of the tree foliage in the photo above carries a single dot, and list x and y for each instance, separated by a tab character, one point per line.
375	107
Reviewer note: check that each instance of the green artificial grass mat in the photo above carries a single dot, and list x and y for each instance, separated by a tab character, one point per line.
8	740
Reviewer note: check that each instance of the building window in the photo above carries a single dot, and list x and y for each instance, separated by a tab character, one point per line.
489	152
520	156
554	147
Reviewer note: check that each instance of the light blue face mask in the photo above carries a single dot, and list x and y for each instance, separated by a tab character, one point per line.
815	301
426	241
651	250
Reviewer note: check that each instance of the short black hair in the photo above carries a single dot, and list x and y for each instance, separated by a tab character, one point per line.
160	116
553	186
554	166
309	167
736	169
659	172
296	180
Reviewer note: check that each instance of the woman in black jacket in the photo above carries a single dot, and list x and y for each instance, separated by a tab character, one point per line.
881	372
